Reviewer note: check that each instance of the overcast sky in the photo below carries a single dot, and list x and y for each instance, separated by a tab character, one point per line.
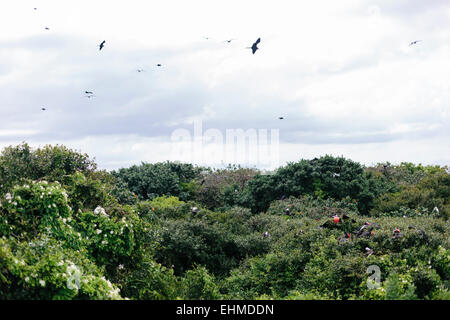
341	73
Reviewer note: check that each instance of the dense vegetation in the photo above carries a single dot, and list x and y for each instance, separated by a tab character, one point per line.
171	230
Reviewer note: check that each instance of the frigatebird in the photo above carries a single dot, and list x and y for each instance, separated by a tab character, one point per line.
43	109
102	45
254	46
158	65
281	118
88	92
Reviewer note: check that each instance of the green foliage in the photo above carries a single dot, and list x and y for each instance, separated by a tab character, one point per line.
149	280
327	177
43	269
50	163
149	181
223	188
198	284
70	231
315	208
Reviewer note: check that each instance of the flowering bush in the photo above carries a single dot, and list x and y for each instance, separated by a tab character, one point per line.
38	207
43	269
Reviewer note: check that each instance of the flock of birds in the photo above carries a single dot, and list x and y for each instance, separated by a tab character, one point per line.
254	48
90	94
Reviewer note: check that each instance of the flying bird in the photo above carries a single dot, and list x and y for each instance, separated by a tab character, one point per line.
414	42
88	92
254	46
158	65
229	40
281	118
47	28
43	109
140	70
102	45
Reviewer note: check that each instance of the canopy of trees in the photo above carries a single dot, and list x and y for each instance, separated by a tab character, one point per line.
310	230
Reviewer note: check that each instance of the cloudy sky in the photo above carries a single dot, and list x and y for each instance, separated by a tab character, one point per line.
341	73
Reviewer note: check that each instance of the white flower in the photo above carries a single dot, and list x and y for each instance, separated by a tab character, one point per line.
54	205
42	283
98	231
8	197
64	220
14	203
60	263
100	210
27	279
121	266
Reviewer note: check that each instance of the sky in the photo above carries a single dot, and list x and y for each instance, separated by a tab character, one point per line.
342	74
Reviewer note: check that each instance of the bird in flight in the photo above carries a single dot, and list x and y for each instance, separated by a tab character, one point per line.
140	70
414	42
207	38
43	109
47	28
90	96
254	46
229	40
88	92
281	118
158	65
102	45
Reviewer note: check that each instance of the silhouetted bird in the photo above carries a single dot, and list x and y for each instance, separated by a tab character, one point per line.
414	42
140	70
281	118
158	65
43	109
46	28
207	38
254	46
88	92
102	45
229	40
